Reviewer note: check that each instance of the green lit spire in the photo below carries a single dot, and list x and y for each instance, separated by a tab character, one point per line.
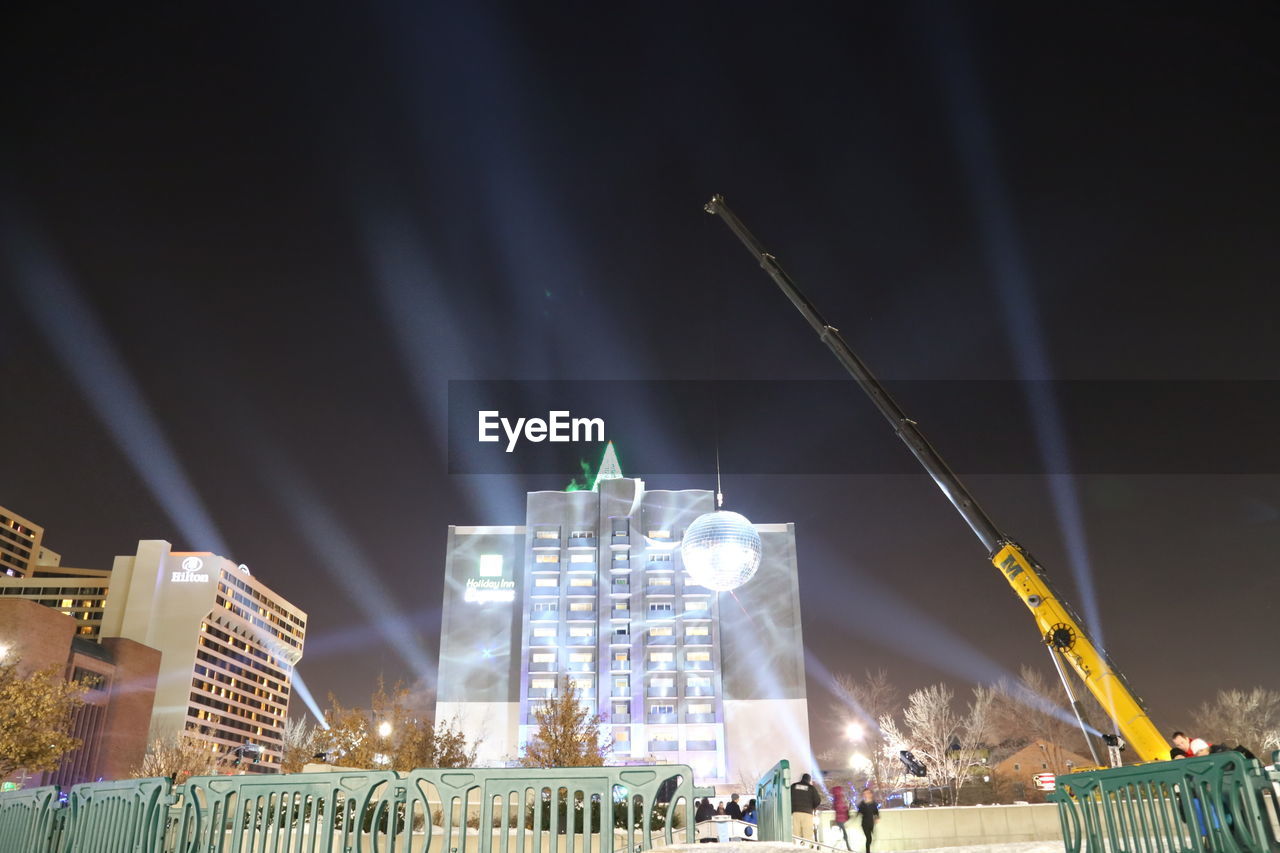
610	469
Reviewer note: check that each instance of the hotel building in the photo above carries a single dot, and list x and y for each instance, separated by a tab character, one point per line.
591	588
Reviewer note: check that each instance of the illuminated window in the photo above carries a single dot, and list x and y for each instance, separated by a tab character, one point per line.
582	558
547	534
701	708
582	682
659	534
662	657
544	657
697	630
622	735
696	605
490	565
544	632
622	604
582	606
662	682
622	683
582	581
698	656
662	709
542	683
622	656
548	558
581	657
553	582
660	580
660	631
581	631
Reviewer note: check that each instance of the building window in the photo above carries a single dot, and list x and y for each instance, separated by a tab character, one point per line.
544	657
547	534
583	534
624	657
582	558
662	709
660	609
622	735
490	565
662	682
581	657
548	558
696	606
697	630
545	607
698	656
544	632
660	580
659	558
660	631
699	681
700	708
622	683
662	657
587	581
581	631
552	582
582	606
623	604
542	683
659	534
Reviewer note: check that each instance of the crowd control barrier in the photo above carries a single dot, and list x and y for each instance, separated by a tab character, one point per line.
1219	803
465	810
773	803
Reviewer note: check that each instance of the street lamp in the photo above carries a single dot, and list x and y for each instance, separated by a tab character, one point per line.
854	731
384	729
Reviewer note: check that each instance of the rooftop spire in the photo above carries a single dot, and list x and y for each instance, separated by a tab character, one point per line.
609	469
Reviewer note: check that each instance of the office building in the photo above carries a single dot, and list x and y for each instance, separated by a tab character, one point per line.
228	646
120	675
590	587
22	545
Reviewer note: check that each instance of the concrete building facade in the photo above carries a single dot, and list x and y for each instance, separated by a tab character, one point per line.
121	676
22	545
591	588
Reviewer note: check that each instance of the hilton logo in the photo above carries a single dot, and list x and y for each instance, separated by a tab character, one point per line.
190	573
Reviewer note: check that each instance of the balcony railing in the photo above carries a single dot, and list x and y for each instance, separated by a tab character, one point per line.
619	639
619	614
659	692
699	690
699	718
620	666
580	640
664	745
660	718
580	666
580	589
582	541
542	667
700	745
662	640
619	719
660	666
581	615
545	616
697	666
620	540
544	641
659	589
620	588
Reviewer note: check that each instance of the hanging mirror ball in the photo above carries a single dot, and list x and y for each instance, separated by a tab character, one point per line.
721	550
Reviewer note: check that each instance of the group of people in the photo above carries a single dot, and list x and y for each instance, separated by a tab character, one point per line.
806	799
704	809
1185	746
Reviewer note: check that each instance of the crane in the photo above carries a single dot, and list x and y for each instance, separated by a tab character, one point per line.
1061	630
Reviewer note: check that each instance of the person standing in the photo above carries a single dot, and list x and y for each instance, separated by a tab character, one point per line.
869	811
733	810
840	804
805	800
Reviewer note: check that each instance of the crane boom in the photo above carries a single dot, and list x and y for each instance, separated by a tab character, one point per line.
1060	628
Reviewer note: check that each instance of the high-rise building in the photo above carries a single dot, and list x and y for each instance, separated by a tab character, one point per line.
591	588
22	545
228	646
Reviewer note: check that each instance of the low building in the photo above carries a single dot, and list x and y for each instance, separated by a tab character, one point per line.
121	674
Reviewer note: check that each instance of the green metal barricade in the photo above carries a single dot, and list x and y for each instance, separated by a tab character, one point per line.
116	817
1220	803
556	810
29	819
773	803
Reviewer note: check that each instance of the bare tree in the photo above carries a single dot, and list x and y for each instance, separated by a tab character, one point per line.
179	757
299	745
567	734
1249	718
870	698
949	743
1035	708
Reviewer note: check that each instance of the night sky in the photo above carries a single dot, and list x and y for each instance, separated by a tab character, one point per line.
246	249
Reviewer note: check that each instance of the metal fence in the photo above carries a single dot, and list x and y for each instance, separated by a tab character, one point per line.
1220	803
558	810
773	803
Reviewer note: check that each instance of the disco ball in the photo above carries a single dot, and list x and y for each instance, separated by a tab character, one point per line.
721	550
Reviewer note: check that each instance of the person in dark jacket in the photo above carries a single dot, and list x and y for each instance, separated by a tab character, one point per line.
805	800
733	810
749	813
869	811
842	807
704	811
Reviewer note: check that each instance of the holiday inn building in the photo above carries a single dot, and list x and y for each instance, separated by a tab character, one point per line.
591	588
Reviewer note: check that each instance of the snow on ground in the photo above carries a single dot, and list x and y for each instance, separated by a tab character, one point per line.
773	847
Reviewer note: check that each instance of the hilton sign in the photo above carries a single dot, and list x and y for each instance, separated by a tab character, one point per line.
190	572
